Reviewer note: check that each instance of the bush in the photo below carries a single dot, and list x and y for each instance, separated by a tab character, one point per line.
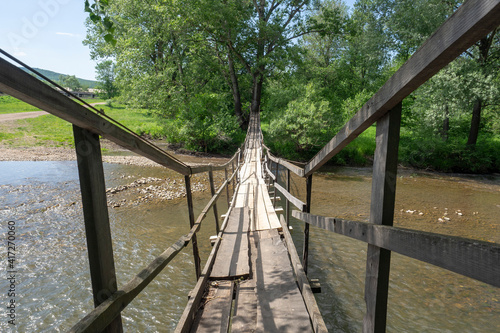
450	156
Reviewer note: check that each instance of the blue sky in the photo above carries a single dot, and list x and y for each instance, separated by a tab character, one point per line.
48	34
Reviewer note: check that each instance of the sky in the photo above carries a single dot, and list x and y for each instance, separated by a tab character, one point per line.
48	34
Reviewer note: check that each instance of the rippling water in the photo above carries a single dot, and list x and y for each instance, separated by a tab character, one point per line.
53	281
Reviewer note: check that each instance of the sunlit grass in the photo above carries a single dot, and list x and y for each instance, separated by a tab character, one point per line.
50	130
9	104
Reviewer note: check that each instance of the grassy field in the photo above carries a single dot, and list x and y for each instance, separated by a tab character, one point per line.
9	104
52	131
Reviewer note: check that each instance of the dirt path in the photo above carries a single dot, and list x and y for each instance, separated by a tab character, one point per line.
21	115
32	114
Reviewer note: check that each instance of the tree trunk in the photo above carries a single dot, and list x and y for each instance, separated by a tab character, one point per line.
446	124
258	81
243	122
474	125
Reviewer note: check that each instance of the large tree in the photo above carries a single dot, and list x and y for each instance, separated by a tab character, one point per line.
186	45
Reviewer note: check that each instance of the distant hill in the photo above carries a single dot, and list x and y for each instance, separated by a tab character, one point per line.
55	77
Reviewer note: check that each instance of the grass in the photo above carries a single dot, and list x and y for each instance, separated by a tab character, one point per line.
9	104
52	131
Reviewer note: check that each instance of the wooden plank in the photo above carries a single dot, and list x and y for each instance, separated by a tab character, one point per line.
95	213
303	282
290	166
241	195
295	201
472	258
271	212
186	320
245	308
270	174
21	85
262	218
472	21
280	307
232	259
216	312
383	196
101	316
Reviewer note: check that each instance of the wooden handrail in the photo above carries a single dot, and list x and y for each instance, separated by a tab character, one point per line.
318	323
295	201
210	167
286	163
19	84
473	20
209	205
472	258
101	316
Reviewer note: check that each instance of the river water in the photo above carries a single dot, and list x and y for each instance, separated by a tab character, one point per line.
53	288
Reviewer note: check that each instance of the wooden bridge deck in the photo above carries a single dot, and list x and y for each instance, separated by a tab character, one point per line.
252	286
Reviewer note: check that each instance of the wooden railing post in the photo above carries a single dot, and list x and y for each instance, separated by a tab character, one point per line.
276	180
95	213
287	204
196	255
234	179
212	191
307	209
227	187
381	212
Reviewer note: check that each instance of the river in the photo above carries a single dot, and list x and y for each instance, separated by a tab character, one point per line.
53	288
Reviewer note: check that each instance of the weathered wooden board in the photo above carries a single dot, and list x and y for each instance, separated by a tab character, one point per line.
280	307
262	217
19	84
232	260
245	308
319	325
216	312
274	222
473	258
95	212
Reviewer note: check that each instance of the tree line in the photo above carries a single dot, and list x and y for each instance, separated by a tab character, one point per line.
306	65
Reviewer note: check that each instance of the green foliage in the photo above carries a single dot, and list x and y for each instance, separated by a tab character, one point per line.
452	155
105	75
305	124
208	124
70	81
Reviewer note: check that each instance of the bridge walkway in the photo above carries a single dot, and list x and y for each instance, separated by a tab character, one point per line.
252	287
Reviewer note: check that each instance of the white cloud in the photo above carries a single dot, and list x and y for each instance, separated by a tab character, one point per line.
20	54
66	34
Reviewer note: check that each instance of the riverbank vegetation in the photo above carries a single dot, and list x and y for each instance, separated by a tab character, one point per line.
197	69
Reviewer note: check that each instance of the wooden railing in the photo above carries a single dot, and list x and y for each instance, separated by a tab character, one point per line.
472	258
88	126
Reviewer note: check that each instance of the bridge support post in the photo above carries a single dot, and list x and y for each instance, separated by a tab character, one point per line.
381	212
196	254
307	209
95	213
227	186
277	175
212	190
287	202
